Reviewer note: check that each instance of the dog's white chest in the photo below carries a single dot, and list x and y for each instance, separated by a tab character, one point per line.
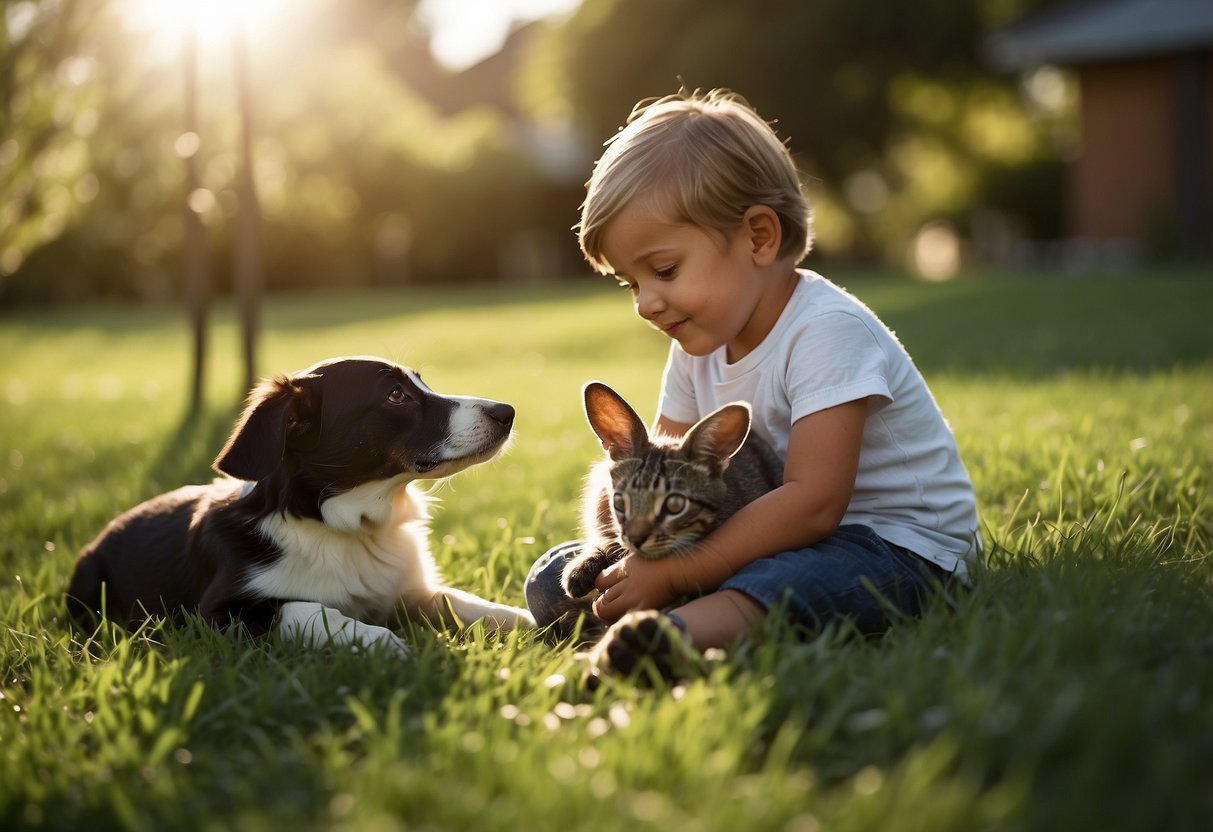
361	572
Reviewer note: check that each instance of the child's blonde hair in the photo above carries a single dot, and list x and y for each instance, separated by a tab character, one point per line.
699	158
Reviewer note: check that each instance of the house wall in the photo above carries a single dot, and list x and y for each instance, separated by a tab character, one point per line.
1124	169
1125	183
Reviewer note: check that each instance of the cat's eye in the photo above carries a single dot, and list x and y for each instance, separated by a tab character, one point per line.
674	505
619	503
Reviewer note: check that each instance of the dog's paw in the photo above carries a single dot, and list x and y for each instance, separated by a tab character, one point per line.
645	645
368	637
320	626
525	619
505	618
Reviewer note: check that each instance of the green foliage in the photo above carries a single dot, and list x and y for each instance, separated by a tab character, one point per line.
896	94
373	168
1068	689
48	90
361	178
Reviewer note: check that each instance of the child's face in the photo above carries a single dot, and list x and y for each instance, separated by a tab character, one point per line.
698	286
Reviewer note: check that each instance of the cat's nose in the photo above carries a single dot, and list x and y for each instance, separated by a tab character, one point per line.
637	532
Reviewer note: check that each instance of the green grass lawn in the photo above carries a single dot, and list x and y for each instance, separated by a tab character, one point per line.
1071	689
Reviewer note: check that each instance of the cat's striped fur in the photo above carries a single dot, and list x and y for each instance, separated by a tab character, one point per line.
657	496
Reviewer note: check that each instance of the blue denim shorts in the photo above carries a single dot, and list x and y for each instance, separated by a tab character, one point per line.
853	575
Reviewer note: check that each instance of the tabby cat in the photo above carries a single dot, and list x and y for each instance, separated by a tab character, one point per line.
658	496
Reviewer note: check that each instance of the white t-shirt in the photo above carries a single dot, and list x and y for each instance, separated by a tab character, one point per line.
826	349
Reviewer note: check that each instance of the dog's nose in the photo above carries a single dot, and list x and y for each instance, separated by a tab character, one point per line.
502	413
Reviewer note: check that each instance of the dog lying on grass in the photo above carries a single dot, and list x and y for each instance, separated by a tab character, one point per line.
317	531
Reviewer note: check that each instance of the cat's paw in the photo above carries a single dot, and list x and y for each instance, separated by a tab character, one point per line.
579	577
646	645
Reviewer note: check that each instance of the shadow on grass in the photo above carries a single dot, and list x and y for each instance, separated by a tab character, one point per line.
302	310
1026	326
1035	327
187	453
319	310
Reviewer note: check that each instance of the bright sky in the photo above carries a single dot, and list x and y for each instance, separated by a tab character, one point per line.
214	21
467	31
464	31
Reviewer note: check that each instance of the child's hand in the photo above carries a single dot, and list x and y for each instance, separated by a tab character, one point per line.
634	583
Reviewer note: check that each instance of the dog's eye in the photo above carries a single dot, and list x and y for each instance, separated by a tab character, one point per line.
397	395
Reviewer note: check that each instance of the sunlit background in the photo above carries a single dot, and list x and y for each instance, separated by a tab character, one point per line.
464	32
164	22
460	32
449	140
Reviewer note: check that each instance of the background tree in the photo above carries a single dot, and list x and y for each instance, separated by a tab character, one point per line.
194	262
246	266
375	165
48	94
888	106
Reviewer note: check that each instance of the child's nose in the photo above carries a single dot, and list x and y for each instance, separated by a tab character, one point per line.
648	303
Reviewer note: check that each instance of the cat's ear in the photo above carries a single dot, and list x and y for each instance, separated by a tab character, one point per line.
719	435
621	431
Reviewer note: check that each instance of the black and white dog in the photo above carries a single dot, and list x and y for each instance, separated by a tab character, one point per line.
317	531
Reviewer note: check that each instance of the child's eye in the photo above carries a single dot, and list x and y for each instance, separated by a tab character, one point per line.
631	287
666	273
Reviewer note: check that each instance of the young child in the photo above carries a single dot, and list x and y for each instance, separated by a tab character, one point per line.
696	209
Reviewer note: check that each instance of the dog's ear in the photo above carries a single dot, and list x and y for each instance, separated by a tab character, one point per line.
277	409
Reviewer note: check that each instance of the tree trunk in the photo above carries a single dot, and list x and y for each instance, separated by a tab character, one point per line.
197	277
247	265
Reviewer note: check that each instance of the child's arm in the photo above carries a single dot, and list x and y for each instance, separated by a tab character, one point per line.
819	478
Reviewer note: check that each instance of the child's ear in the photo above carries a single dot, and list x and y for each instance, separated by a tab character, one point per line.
764	233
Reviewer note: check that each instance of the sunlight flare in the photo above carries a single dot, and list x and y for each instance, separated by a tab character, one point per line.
213	22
